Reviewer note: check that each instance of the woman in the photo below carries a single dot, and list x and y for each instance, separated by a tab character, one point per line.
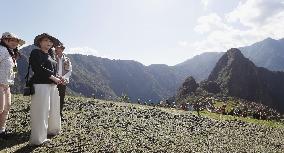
8	67
45	106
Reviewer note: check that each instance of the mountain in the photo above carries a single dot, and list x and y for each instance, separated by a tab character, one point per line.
108	79
268	53
199	66
237	76
189	86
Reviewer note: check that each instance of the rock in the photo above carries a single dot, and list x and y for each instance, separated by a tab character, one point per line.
189	86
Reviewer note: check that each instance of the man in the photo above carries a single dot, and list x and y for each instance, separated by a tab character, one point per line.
64	69
9	53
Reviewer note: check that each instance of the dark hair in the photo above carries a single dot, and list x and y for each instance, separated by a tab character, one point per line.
14	53
40	37
39	40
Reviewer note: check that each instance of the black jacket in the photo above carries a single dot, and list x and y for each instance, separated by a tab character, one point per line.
43	66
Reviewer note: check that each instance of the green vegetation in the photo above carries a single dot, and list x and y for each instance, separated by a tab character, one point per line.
220	117
229	105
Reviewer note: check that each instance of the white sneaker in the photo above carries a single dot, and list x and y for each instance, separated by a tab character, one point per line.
46	141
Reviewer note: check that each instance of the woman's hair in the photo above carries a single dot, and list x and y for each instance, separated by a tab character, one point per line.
15	54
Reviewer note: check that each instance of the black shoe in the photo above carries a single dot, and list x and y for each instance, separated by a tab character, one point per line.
6	134
49	136
63	119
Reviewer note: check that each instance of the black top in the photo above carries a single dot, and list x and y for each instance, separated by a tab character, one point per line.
43	66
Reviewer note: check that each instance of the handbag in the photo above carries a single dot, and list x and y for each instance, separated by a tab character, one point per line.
29	88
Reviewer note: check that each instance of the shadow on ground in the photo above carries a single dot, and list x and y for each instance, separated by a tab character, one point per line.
15	138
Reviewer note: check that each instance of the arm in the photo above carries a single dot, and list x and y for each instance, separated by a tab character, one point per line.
3	53
68	74
55	79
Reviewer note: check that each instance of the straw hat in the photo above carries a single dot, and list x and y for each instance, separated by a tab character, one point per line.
9	35
38	38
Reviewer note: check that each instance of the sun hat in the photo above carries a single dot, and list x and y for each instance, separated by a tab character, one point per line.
38	38
9	35
60	45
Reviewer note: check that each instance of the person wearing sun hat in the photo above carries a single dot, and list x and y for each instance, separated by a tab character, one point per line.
64	70
9	53
45	103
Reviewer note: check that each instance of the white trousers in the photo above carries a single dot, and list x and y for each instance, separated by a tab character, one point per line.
45	113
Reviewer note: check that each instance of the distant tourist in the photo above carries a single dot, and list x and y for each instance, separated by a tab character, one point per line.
196	107
9	53
64	69
223	109
45	103
189	107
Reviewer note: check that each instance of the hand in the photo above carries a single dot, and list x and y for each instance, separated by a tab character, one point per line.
55	79
60	77
63	81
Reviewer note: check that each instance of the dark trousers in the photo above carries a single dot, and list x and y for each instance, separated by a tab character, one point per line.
61	89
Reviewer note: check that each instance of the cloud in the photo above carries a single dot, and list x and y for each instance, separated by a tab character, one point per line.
249	22
82	50
205	3
209	23
255	12
88	51
183	43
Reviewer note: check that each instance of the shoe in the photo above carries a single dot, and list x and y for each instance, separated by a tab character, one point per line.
63	119
45	142
52	134
6	134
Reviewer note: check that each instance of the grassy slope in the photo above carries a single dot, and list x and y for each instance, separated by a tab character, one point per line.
102	126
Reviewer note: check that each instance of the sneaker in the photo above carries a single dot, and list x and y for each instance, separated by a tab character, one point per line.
45	142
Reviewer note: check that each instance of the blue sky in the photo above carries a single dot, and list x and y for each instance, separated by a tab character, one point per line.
148	31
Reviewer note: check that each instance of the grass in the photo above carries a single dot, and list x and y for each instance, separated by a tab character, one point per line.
230	105
220	117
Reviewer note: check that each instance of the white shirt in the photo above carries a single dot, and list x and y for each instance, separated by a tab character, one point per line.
7	75
68	74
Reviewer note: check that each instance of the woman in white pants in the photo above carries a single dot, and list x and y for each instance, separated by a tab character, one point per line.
45	103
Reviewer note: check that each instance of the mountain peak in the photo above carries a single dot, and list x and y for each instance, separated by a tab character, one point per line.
268	39
237	76
234	53
232	62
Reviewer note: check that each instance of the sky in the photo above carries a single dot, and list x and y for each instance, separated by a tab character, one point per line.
148	31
